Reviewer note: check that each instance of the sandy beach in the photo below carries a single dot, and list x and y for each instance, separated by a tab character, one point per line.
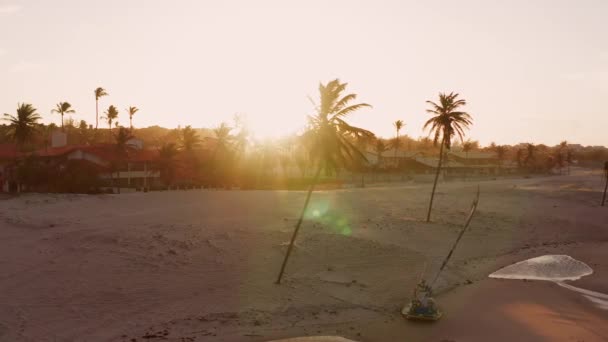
200	265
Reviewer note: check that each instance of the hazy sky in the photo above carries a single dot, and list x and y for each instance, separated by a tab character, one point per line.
530	70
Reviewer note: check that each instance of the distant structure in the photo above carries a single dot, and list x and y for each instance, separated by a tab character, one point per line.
58	139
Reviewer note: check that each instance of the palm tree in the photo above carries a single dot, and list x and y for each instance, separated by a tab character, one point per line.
380	149
63	108
111	115
167	154
447	122
530	154
467	146
519	155
189	139
99	92
328	138
222	134
398	125
22	127
501	151
123	148
569	160
131	111
563	146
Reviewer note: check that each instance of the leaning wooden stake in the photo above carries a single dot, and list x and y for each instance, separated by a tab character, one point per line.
464	228
297	229
606	186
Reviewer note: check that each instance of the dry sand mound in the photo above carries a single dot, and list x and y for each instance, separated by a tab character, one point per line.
546	267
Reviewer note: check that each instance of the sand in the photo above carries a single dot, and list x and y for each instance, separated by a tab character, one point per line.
200	265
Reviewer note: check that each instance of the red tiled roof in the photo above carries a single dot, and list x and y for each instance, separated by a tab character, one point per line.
9	151
104	151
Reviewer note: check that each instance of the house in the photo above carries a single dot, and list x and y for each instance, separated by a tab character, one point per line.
137	168
474	158
391	159
8	154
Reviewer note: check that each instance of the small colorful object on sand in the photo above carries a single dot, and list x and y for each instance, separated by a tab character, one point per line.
422	306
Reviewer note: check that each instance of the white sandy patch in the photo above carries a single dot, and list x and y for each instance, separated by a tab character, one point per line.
547	267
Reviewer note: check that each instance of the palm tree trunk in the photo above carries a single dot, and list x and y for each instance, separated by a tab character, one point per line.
395	156
96	113
297	228
62	122
605	188
428	215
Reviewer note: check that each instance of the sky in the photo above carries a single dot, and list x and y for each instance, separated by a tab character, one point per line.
531	71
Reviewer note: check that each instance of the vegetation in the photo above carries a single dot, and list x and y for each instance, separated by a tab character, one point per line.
447	121
63	108
168	163
99	93
22	126
329	139
330	150
110	116
189	139
397	143
131	111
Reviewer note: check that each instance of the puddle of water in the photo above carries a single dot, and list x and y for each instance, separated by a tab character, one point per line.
554	268
557	269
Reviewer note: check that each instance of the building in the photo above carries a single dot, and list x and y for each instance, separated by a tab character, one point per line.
8	154
136	168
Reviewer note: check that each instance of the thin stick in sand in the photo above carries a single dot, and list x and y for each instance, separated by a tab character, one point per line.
605	186
464	228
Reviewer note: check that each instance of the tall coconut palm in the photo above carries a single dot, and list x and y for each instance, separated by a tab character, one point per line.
123	148
447	122
99	93
189	139
558	159
167	162
63	108
380	148
131	111
110	116
563	147
519	155
501	151
22	127
530	154
398	126
222	134
329	140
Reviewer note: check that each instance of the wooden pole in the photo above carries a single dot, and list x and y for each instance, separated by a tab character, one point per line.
464	228
297	228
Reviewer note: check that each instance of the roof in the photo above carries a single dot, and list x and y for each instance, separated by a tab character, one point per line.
104	151
8	151
432	162
473	155
400	154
